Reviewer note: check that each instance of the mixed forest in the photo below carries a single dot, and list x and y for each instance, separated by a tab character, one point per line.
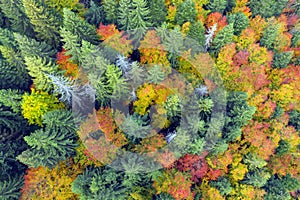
149	99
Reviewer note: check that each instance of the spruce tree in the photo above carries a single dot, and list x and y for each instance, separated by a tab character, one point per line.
124	16
281	60
139	20
77	26
225	36
46	21
217	5
158	12
267	8
197	32
14	11
95	14
186	12
110	9
269	37
240	21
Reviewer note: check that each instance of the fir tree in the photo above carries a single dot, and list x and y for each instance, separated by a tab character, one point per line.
10	189
225	36
281	60
155	75
124	14
197	32
186	12
217	5
240	21
267	8
14	11
38	69
45	21
269	37
110	9
71	45
79	27
31	47
158	12
139	19
95	14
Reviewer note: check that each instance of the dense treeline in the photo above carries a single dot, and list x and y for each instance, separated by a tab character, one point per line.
150	99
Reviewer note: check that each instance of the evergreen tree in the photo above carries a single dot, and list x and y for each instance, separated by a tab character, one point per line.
217	5
11	99
139	20
38	69
281	60
186	12
155	75
124	14
197	32
296	39
269	37
31	47
267	8
71	45
294	119
14	11
225	36
110	9
10	189
158	12
223	185
12	77
136	74
100	183
78	27
257	178
95	14
54	143
240	21
238	114
45	21
283	147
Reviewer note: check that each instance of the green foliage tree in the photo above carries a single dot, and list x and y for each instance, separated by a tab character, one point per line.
186	12
31	47
281	60
257	178
267	8
223	185
155	75
139	20
279	187
45	21
283	147
269	37
99	183
173	105
225	36
78	27
12	77
173	43
10	166
10	189
56	142
14	11
95	14
240	22
296	39
254	162
197	32
110	9
38	68
124	16
136	74
158	12
163	196
217	5
238	114
71	45
294	119
135	128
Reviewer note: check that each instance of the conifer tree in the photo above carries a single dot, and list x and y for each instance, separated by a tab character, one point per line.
77	26
267	8
45	21
124	16
139	19
10	189
240	22
217	5
197	32
31	47
281	60
186	12
225	36
269	37
158	12
110	9
14	11
95	14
